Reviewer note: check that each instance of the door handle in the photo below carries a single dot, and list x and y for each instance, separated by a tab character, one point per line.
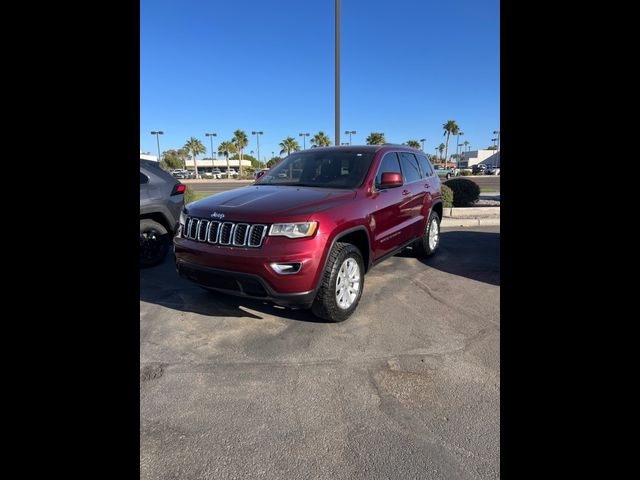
426	185
405	192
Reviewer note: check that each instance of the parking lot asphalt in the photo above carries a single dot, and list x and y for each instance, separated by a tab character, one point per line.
408	387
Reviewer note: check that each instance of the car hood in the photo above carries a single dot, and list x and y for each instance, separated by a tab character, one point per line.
269	203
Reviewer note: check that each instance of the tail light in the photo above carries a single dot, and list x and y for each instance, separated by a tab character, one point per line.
178	189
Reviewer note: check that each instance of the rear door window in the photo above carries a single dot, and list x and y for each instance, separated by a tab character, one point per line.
410	167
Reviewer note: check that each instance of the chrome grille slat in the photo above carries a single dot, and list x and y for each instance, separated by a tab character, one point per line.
244	237
214	232
193	228
250	235
203	225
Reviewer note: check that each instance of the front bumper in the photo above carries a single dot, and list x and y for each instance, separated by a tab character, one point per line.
241	284
242	263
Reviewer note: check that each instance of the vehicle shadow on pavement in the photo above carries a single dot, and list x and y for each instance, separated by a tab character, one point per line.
474	255
163	286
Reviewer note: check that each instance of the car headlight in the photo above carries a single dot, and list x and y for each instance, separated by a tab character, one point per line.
293	230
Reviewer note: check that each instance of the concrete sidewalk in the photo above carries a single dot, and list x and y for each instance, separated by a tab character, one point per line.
474	216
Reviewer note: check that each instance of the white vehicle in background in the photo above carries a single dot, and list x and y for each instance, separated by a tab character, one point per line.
492	170
217	173
232	173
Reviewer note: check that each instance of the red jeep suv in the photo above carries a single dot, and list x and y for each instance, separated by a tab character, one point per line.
305	233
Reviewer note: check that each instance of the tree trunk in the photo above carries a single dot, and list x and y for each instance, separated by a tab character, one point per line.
240	165
228	173
446	149
195	164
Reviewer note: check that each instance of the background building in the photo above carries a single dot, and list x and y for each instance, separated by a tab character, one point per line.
208	164
147	156
477	157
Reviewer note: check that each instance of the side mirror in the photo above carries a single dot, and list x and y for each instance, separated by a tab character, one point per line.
260	174
390	180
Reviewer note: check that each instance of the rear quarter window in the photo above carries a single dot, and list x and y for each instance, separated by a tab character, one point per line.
425	166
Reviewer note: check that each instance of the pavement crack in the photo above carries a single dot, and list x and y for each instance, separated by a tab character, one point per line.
423	286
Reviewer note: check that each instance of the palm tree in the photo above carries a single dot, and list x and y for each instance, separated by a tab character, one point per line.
288	145
183	153
413	144
240	141
441	149
450	128
320	139
376	138
195	147
226	149
465	143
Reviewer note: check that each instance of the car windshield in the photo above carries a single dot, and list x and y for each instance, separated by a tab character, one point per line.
323	169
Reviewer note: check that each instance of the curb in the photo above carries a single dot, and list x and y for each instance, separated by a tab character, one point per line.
469	222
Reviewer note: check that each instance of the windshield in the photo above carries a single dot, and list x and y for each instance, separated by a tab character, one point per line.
324	169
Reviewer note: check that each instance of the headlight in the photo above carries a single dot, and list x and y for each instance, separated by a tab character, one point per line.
293	230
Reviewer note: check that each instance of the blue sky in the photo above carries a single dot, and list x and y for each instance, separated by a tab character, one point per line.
407	66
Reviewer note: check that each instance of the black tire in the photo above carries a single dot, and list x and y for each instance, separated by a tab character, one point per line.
325	304
422	247
154	243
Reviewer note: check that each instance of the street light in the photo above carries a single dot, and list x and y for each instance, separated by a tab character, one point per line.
211	135
158	141
304	139
350	132
458	142
436	157
423	140
497	132
337	71
257	134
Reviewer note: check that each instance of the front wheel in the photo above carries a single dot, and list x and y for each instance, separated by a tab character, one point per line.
430	240
341	284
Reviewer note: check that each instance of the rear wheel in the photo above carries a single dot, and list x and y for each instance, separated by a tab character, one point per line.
430	240
154	243
342	284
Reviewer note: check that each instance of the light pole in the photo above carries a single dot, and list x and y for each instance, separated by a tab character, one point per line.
158	141
458	142
257	134
494	140
436	157
498	133
350	132
423	140
337	72
211	135
304	139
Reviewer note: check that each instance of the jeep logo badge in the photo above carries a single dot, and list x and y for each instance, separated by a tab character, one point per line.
217	215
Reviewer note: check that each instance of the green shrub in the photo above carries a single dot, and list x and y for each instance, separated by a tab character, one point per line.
447	196
189	195
465	173
465	192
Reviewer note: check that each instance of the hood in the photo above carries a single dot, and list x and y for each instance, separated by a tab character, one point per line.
269	203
